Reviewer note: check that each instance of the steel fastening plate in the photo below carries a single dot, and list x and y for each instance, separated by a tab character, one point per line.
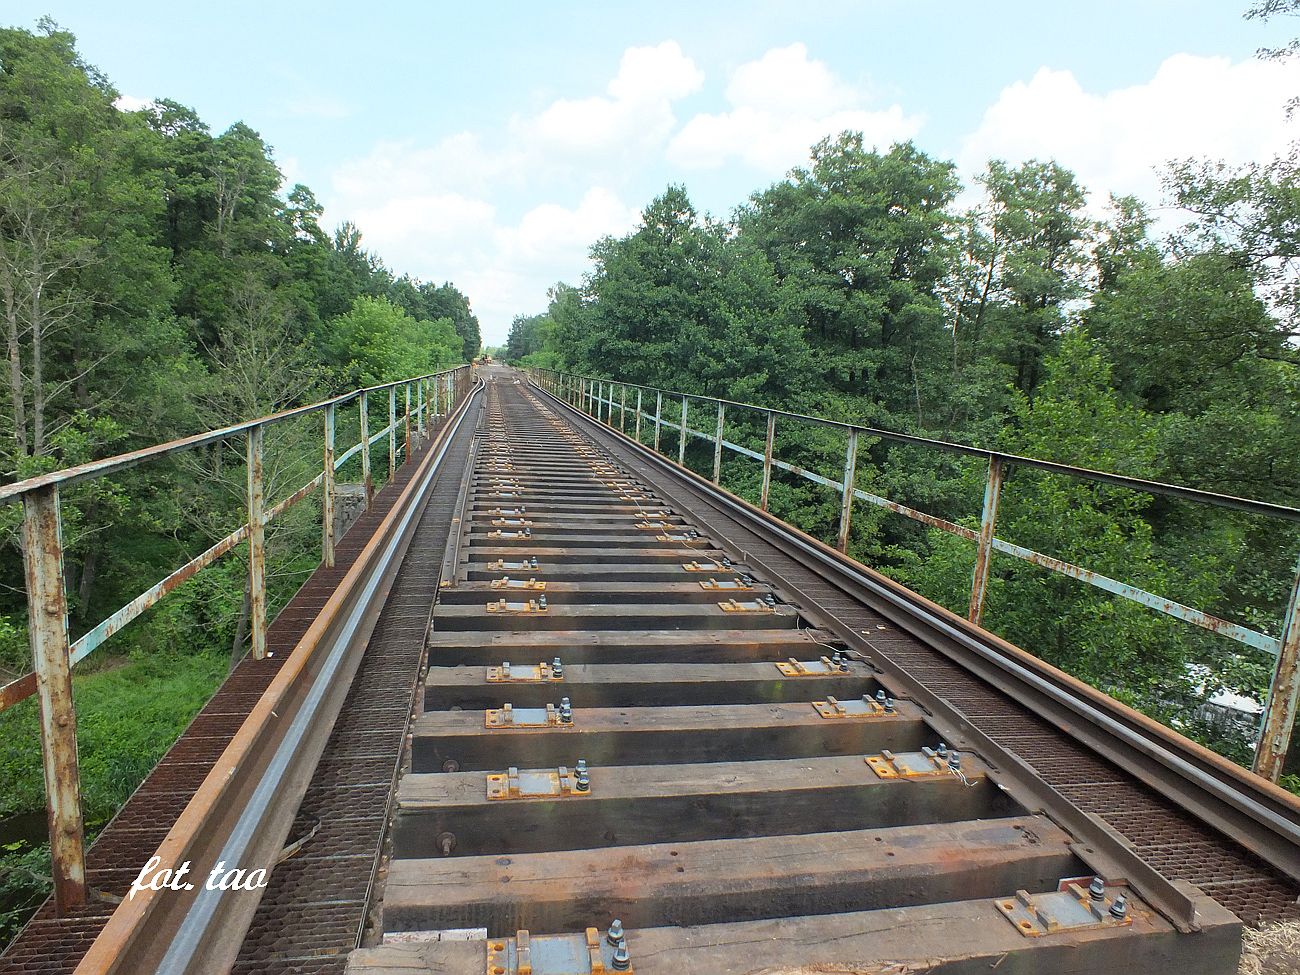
505	582
1071	908
509	716
506	606
506	512
512	523
732	584
748	606
831	708
522	673
925	764
506	564
704	567
654	526
589	953
535	784
809	668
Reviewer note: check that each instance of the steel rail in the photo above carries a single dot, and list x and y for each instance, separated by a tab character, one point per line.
241	813
1261	816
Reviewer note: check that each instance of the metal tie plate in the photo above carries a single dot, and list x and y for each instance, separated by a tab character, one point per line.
832	708
530	563
716	584
536	784
503	533
748	606
589	953
512	522
505	582
509	716
704	566
522	673
925	764
810	668
505	606
1071	908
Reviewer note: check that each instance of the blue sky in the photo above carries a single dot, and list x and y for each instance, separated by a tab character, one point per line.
491	144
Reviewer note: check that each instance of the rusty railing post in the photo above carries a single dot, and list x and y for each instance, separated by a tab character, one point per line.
659	413
984	554
638	414
681	438
850	483
419	409
366	478
392	432
767	460
622	408
1283	696
256	544
47	612
717	445
407	419
327	492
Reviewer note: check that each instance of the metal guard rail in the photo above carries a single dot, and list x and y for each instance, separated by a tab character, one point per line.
594	395
54	654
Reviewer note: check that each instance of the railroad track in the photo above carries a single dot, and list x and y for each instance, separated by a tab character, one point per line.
652	739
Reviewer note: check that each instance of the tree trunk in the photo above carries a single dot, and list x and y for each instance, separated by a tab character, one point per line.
17	394
88	570
38	375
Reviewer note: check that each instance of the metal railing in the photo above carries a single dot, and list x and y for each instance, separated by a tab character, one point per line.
596	398
54	654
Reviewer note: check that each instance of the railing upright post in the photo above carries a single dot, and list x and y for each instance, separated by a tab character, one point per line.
256	545
622	408
392	432
850	483
768	443
1283	696
984	554
419	409
327	492
717	445
681	439
47	620
366	478
659	413
638	414
407	418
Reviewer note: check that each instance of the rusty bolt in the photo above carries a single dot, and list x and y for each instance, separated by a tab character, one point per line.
451	765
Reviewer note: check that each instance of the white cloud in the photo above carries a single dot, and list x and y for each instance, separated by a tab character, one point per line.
781	105
1118	141
636	111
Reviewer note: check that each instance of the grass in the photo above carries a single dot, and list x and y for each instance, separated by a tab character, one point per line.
128	714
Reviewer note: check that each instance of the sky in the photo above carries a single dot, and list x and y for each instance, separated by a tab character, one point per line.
491	144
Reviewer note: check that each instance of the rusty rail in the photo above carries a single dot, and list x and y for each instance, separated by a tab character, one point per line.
1278	719
54	653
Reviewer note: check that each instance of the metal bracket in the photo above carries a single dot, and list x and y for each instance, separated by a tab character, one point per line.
1071	908
810	668
925	764
832	708
714	584
636	498
654	526
536	784
530	563
509	716
589	953
512	522
522	673
507	512
504	606
505	582
750	606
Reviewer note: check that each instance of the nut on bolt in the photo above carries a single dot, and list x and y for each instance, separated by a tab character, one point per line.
622	958
1097	889
566	711
616	933
1119	907
582	778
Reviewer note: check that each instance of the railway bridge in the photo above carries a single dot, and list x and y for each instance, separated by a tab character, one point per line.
557	704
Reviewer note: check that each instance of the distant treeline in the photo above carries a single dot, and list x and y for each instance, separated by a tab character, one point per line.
857	289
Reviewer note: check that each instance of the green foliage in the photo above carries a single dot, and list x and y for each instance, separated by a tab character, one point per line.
377	342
